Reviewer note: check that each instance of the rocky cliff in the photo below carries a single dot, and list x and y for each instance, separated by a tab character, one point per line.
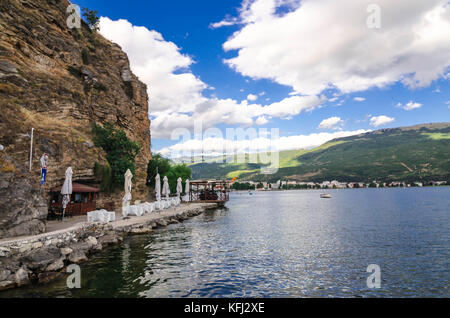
59	81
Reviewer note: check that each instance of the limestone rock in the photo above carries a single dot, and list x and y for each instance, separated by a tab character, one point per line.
91	240
5	285
77	257
56	266
66	251
39	259
22	277
138	231
108	239
4	274
7	67
47	277
37	245
60	81
24	212
5	252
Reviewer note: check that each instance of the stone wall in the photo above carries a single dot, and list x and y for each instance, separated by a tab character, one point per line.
42	258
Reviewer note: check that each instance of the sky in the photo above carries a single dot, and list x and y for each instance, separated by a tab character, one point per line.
313	70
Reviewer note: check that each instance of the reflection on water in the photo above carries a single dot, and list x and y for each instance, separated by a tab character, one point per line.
283	244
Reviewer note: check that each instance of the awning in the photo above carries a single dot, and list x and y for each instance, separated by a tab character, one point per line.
79	188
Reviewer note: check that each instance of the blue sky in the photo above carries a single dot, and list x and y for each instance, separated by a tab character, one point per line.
187	24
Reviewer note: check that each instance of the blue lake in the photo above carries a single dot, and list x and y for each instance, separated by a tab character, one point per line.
283	244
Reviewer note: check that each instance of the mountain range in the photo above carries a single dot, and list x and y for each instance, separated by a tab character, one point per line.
416	153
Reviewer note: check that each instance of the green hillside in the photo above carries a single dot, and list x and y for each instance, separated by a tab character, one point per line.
410	153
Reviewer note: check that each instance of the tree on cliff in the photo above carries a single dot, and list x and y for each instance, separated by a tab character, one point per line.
91	18
120	151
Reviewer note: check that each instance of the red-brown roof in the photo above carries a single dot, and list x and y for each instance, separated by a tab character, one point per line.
79	188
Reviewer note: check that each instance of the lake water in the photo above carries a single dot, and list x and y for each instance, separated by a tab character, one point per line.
283	244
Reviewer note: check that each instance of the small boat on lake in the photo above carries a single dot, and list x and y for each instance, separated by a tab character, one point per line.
326	196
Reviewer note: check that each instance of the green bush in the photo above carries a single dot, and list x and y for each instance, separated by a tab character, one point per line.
104	174
85	56
92	18
120	151
158	164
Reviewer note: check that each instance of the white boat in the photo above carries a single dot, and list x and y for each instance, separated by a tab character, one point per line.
326	196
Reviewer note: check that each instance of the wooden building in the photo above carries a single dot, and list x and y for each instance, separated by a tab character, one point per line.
212	191
82	200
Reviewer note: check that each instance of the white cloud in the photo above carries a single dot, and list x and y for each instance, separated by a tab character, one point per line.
224	23
219	145
320	44
155	62
231	112
382	120
176	95
261	121
331	123
359	99
409	106
252	97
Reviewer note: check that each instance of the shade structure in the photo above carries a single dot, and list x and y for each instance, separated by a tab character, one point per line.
158	187
186	191
179	187
166	188
128	186
66	189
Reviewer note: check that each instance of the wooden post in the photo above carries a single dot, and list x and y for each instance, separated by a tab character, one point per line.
31	148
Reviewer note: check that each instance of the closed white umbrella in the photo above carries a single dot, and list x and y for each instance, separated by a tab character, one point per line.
66	190
179	187
166	188
158	187
187	190
128	186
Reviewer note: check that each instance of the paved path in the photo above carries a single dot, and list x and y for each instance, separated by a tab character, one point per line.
55	228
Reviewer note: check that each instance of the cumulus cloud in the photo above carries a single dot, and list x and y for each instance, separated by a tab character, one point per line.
159	64
359	99
226	146
331	123
261	121
229	111
338	50
409	106
382	120
176	95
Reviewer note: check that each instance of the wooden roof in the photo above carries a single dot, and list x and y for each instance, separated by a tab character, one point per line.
79	188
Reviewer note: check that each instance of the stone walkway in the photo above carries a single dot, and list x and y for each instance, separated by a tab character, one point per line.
56	228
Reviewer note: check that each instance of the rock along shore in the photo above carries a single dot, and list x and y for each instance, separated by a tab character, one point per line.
42	258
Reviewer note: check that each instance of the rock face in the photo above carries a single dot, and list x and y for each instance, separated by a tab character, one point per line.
59	81
22	210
